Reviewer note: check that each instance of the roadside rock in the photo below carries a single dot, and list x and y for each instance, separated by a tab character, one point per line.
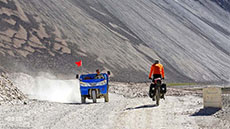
224	113
10	93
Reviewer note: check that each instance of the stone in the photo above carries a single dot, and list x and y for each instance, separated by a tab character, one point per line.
212	97
23	52
9	93
18	43
22	33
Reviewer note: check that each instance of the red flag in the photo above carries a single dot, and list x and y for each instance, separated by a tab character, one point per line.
78	63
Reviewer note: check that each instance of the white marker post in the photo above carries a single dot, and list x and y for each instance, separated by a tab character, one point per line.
212	97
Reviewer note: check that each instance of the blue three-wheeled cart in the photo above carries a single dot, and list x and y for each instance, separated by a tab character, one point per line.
93	88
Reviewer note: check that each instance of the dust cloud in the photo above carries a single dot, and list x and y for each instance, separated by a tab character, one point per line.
48	87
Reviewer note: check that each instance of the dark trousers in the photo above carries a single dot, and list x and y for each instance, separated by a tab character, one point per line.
156	76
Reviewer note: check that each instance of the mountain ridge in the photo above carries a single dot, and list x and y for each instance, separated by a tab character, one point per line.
191	41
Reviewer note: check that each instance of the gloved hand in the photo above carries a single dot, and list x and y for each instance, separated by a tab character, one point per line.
150	78
163	78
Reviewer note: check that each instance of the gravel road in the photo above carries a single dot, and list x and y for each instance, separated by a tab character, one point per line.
122	112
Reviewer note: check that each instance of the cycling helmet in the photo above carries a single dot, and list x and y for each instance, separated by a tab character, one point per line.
156	61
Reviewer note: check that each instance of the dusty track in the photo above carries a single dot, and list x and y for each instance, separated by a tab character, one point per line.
120	113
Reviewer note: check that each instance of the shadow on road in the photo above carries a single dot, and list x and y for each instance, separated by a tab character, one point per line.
206	112
87	103
81	103
73	103
143	106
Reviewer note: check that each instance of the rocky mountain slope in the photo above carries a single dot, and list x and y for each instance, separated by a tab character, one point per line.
191	38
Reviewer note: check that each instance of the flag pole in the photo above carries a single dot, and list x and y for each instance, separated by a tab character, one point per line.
81	67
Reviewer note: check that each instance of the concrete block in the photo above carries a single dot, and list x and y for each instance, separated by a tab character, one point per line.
212	97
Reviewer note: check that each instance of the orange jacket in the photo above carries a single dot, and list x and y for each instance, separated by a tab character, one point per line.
157	69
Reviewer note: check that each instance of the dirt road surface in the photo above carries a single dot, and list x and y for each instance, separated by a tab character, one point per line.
129	108
176	112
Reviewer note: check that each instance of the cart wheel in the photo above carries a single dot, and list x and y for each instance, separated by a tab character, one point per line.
83	98
94	96
106	96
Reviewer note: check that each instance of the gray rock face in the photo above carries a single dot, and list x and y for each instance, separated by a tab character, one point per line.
225	4
191	38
